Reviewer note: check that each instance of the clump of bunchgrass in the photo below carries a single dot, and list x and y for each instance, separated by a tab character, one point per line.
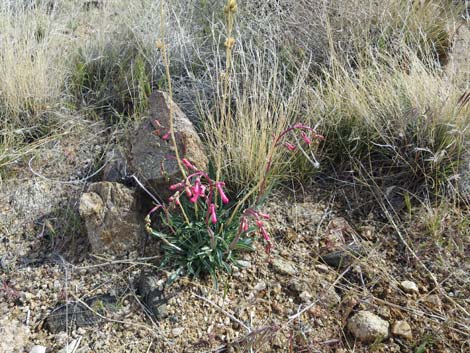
396	122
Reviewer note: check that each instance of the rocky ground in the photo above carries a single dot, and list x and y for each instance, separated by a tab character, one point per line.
332	283
329	285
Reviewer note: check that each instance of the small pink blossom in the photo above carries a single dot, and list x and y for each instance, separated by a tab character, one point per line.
224	197
196	191
290	146
305	137
157	122
166	136
244	224
263	231
188	164
264	215
176	186
212	213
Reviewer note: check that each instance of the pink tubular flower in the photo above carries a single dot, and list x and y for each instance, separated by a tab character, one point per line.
212	213
290	146
188	164
263	231
196	191
176	186
305	137
224	197
166	136
264	215
174	199
244	224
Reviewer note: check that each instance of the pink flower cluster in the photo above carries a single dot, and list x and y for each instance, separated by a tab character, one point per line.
198	185
304	134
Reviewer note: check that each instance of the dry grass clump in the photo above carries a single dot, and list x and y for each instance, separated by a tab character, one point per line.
32	72
240	133
396	122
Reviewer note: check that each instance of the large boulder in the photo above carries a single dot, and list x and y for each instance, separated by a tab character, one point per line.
111	218
152	157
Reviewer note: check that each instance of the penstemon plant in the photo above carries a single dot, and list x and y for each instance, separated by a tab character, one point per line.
201	229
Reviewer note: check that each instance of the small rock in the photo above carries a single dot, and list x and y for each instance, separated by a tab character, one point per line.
343	257
278	309
72	346
322	268
384	311
409	287
38	349
150	290
368	327
402	329
76	314
116	168
433	301
284	266
177	331
260	286
305	296
244	264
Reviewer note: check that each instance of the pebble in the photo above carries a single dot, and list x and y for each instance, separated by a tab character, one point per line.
38	349
260	286
244	263
305	296
368	327
409	287
277	288
277	308
322	268
402	329
433	301
177	331
284	267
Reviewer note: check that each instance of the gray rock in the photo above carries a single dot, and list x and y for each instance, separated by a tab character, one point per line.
284	267
368	327
177	331
328	295
77	314
15	335
409	287
343	257
150	288
402	329
116	168
112	222
305	296
151	157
